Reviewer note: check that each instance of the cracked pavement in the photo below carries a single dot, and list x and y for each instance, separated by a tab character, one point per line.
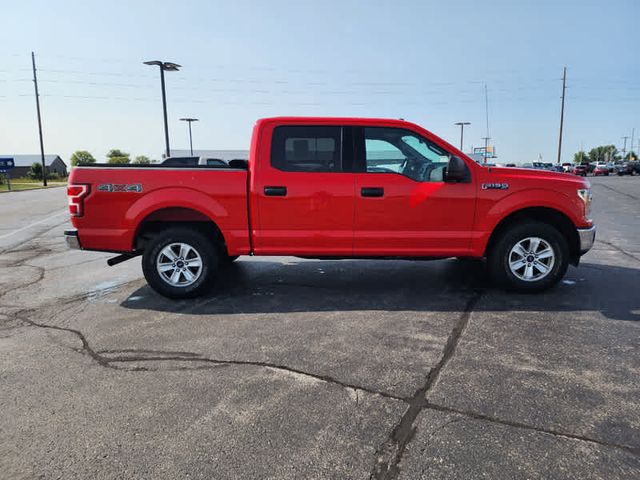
317	369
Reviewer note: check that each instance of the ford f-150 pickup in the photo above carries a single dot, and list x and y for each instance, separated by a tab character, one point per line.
333	188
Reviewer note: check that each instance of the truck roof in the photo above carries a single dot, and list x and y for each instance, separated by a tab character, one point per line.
340	120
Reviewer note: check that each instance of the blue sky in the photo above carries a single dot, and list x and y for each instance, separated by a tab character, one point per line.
425	61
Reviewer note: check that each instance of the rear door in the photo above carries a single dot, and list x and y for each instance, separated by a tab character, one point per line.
403	205
305	192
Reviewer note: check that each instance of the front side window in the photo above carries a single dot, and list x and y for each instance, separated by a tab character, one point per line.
306	148
395	150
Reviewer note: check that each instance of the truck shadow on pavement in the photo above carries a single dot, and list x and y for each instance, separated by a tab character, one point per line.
296	285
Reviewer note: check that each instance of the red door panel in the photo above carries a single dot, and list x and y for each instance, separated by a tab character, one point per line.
413	218
314	218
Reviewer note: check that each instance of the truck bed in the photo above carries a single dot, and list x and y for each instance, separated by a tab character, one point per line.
122	197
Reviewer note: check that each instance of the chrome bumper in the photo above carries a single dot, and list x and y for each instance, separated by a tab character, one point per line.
586	236
71	237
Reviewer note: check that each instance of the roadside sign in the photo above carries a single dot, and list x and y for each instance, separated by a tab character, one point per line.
6	164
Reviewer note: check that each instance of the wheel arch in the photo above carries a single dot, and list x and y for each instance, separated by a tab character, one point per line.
550	216
166	217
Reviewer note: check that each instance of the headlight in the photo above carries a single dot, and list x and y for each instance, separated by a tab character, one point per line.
586	196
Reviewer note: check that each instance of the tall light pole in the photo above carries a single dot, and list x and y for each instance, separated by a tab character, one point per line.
462	124
170	67
189	121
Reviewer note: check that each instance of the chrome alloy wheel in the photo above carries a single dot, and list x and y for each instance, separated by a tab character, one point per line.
531	259
179	264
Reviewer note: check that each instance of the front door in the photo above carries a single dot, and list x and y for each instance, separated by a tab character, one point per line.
403	205
305	193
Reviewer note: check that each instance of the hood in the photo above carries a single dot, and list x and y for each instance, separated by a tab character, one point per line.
543	175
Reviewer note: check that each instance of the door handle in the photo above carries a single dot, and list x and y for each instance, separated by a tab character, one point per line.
372	192
275	191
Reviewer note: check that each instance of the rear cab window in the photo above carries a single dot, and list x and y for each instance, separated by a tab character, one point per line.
300	148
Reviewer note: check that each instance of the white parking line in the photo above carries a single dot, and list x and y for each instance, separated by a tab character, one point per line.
34	224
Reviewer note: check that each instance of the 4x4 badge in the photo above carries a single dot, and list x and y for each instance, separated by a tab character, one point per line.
114	187
495	186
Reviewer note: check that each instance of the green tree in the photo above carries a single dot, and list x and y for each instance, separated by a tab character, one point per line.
580	157
35	171
631	157
116	155
142	159
81	156
604	154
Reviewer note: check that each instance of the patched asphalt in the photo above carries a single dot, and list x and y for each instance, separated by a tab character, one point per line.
317	369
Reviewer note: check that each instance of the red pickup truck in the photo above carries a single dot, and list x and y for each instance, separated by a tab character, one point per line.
333	188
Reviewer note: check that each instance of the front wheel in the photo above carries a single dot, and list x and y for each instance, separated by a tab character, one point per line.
529	257
180	262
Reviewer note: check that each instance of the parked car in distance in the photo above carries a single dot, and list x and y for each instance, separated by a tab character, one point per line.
318	187
580	170
601	169
612	167
193	161
567	167
624	169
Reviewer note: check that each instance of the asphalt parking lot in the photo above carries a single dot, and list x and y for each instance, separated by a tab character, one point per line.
317	369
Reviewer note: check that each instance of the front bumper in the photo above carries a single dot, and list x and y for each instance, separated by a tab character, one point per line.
72	239
587	237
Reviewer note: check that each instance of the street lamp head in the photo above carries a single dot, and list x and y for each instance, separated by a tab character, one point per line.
167	66
462	123
189	119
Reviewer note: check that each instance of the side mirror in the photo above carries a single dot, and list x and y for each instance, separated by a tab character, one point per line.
457	171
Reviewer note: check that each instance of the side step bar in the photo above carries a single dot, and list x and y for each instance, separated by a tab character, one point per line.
122	258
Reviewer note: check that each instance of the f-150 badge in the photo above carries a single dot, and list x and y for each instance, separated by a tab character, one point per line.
495	186
113	187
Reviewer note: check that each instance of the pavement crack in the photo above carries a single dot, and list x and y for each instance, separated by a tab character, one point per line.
86	348
389	455
619	249
510	423
616	191
111	359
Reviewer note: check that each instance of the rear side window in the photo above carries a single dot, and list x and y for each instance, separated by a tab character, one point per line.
306	149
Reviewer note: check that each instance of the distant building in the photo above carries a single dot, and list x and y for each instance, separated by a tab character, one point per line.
23	163
221	154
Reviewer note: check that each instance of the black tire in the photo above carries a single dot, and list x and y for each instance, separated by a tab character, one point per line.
203	245
499	257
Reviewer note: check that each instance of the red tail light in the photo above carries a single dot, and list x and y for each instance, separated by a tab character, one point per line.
76	194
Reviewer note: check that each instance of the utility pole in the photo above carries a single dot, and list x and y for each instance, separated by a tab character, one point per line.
486	109
624	148
35	83
462	124
633	134
564	88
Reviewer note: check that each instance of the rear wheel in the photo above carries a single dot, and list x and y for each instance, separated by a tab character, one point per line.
180	262
529	257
